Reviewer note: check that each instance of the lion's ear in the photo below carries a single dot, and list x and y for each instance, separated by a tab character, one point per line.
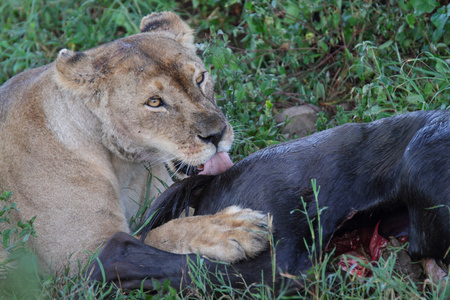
74	69
169	22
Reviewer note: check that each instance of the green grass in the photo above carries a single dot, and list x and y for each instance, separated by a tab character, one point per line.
357	61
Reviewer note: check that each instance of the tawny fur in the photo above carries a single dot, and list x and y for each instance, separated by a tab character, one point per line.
76	135
215	240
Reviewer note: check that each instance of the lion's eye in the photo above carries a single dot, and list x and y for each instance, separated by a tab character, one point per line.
200	78
154	102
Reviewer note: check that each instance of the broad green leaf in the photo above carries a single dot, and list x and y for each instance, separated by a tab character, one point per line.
411	20
414	99
423	6
240	93
386	44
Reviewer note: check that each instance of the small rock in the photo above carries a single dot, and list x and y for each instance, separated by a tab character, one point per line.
302	120
434	272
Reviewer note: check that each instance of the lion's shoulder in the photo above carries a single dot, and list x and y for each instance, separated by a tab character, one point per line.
13	91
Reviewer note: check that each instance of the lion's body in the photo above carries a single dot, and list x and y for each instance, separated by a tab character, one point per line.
76	135
55	171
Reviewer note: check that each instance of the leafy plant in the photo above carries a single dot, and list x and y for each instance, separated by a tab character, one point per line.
19	269
14	239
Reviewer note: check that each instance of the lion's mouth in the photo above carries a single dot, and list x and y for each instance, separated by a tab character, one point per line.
186	169
217	164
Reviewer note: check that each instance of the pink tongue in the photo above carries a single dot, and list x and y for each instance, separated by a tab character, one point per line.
217	164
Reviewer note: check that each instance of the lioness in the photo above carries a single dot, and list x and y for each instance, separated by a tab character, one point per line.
76	136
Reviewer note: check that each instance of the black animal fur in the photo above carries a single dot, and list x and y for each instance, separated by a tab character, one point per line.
380	168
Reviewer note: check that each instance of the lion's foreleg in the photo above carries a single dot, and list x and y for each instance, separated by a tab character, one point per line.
230	235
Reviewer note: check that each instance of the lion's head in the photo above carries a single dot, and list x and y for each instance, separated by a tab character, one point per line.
151	94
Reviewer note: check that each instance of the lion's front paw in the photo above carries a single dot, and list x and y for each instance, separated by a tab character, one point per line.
232	234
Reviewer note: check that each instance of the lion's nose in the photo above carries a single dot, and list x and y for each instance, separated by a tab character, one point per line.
214	138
